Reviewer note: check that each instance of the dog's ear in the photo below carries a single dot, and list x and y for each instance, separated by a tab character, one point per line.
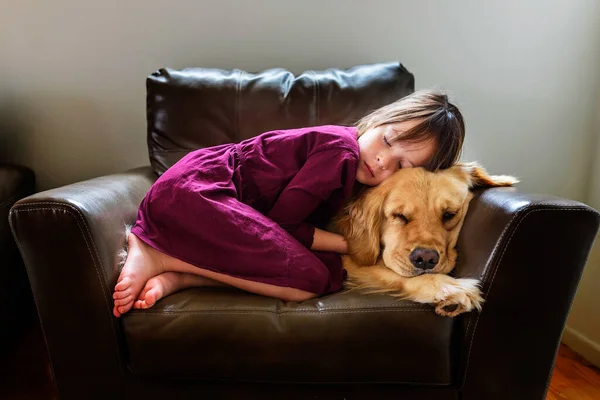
476	176
364	227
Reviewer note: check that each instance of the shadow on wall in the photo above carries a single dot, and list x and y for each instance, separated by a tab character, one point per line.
66	139
582	333
12	131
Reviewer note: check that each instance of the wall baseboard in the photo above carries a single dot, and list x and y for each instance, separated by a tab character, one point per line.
582	345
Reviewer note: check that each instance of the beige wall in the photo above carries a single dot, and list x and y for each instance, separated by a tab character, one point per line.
583	327
72	77
72	72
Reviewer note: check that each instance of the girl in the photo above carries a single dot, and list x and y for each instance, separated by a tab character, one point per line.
250	215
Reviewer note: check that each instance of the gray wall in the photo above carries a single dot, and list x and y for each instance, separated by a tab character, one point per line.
583	327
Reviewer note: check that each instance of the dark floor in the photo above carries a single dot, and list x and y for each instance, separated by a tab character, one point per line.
24	365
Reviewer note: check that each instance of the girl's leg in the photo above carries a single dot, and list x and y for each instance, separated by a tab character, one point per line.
144	262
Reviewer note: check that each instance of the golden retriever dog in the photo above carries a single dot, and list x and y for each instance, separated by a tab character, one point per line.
402	236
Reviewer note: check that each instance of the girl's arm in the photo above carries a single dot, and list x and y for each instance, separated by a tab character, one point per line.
322	174
327	241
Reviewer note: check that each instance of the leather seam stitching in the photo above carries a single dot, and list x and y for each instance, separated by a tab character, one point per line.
499	262
99	271
409	307
215	311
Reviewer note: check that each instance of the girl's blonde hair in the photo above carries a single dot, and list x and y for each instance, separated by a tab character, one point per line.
440	120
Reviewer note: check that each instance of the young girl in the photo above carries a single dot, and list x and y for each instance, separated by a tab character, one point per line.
250	215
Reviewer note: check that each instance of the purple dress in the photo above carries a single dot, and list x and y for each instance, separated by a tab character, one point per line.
249	210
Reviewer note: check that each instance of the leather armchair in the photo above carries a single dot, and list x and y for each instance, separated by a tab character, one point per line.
16	182
528	250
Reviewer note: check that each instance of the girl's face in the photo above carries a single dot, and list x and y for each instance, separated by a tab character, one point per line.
379	157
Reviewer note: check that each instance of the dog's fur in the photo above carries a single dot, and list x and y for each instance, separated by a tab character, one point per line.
414	209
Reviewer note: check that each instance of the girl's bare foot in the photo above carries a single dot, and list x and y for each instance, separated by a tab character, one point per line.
168	283
143	262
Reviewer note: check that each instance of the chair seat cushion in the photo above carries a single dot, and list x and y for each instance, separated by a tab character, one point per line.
223	333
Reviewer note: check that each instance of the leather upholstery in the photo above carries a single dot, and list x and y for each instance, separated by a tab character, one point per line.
16	182
200	107
70	238
227	344
528	250
256	338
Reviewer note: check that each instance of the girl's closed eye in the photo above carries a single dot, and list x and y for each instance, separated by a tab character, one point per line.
387	142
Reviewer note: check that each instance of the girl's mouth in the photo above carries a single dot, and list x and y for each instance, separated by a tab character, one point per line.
370	169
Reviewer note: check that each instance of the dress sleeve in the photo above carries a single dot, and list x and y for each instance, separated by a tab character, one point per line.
322	174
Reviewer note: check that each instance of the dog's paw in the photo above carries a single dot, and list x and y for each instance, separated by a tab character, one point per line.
463	296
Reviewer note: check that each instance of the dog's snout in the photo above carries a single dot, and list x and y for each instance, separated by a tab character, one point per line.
424	258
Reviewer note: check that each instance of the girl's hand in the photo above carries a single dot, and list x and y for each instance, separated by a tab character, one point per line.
327	241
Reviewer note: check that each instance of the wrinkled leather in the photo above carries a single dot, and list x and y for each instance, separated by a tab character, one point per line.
16	182
223	343
229	334
202	107
70	238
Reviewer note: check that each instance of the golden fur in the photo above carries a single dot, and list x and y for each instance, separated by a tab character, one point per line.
414	209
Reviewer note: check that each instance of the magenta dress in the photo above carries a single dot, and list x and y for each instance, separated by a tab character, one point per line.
249	210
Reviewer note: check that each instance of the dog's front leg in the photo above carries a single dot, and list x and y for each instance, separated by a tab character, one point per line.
376	278
451	296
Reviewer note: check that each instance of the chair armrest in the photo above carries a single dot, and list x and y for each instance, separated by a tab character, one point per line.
529	252
70	238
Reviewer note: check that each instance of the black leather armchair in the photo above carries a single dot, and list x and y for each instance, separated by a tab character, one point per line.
528	250
16	182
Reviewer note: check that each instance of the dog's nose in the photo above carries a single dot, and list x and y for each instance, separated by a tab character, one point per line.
424	258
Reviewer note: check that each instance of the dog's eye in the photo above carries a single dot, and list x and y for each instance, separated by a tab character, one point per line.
401	217
448	216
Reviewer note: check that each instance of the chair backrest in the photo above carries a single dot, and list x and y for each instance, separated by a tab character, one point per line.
200	107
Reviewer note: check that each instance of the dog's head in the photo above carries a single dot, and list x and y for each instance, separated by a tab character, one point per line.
412	220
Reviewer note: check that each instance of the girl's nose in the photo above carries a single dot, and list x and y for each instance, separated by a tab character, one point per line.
381	161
